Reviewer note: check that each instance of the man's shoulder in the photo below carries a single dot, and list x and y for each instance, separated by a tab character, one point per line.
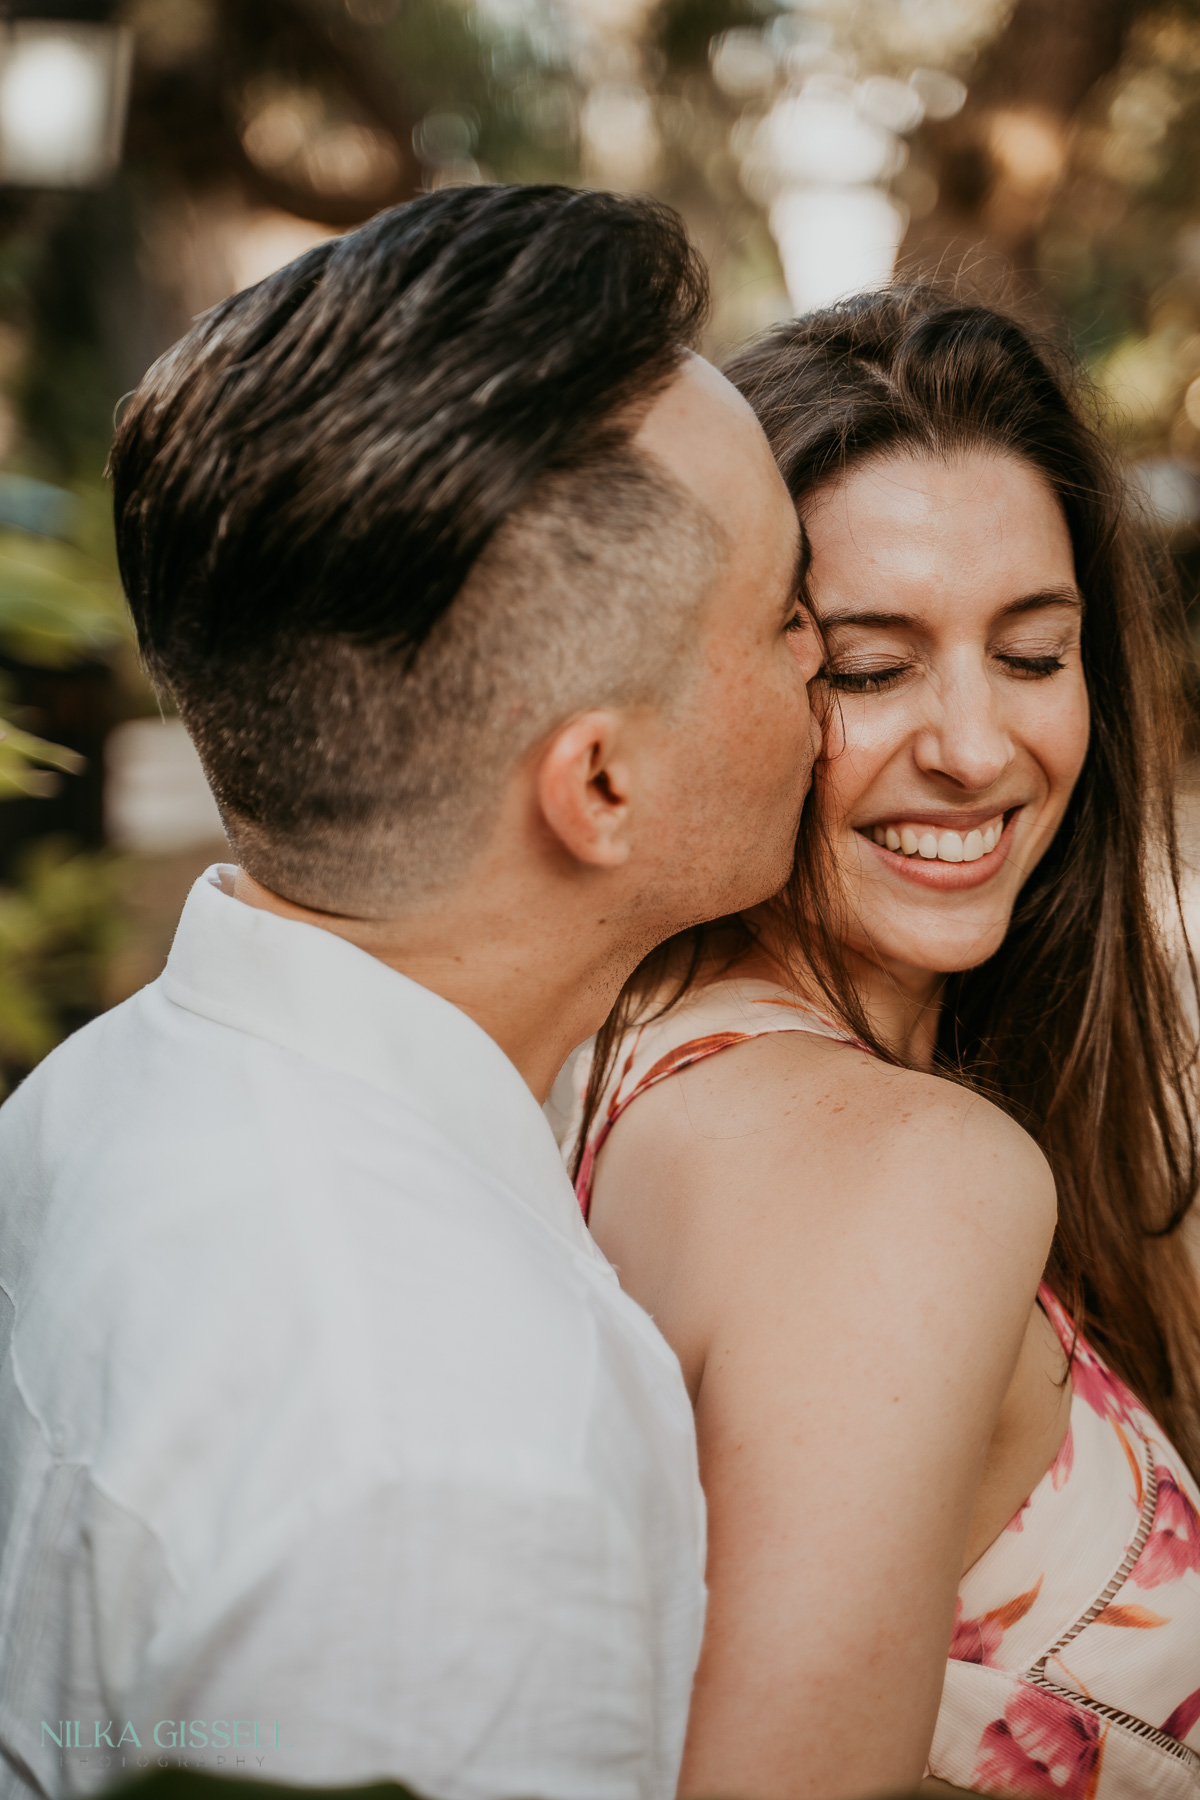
150	1103
157	1131
250	1223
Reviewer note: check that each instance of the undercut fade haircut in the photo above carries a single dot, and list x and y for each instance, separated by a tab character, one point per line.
382	525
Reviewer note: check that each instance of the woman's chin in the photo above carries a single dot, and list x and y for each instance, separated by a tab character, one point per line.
930	953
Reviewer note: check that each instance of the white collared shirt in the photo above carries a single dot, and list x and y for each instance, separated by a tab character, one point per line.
325	1429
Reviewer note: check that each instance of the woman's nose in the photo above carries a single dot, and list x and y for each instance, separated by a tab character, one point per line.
965	737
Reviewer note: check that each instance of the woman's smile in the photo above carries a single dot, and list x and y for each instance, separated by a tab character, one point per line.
944	852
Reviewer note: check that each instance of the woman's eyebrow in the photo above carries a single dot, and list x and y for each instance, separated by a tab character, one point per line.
861	617
1053	596
1045	597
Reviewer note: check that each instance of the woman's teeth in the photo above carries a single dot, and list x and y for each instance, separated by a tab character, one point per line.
940	846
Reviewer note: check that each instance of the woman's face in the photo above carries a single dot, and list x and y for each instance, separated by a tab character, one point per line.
960	724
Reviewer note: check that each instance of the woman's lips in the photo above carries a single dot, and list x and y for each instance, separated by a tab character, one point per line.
943	877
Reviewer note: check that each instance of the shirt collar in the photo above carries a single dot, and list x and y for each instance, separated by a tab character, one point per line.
311	992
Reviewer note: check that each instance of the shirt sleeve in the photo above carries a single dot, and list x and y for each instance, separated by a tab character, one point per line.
468	1638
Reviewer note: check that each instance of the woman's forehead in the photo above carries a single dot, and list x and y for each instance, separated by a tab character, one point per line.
977	520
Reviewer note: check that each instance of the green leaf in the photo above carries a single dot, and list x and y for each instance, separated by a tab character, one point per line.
19	752
56	605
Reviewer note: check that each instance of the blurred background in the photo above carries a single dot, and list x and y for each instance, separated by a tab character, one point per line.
157	155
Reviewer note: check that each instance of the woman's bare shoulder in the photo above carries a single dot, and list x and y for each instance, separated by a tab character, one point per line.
791	1091
801	1151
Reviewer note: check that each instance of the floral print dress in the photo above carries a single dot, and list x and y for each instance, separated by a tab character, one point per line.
1073	1672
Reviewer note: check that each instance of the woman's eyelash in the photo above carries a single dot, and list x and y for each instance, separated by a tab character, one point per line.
850	681
1033	665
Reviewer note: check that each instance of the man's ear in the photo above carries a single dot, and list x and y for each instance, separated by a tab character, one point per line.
583	786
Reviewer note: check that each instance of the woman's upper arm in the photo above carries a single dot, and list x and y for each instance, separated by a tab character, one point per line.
845	1256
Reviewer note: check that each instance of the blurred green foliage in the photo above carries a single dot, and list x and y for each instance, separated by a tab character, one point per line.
23	758
517	98
57	604
60	920
60	604
59	925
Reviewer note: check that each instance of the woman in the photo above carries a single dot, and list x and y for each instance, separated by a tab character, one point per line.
953	1519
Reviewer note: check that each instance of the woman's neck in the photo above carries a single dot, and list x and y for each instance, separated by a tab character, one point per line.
902	1004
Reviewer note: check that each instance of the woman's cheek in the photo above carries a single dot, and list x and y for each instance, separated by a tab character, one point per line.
844	777
1064	742
861	743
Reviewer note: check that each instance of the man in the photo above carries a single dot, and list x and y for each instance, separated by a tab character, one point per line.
330	1448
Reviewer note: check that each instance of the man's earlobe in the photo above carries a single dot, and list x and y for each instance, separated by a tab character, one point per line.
583	788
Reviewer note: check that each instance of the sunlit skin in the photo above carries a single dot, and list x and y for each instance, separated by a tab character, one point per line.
843	1253
947	591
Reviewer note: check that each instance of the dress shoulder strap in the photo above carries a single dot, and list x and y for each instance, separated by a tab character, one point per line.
706	1021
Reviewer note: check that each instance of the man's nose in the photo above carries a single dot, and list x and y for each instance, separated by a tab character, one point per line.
966	736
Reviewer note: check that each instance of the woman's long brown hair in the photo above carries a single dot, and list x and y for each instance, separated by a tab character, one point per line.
1077	1025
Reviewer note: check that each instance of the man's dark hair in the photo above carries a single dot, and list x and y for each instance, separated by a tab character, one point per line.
381	525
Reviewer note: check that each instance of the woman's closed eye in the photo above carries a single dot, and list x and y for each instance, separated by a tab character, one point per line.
862	681
1032	668
844	677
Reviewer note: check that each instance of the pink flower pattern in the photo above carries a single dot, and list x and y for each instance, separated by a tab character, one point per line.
1045	1746
1091	1378
1174	1541
1184	1717
1042	1749
1017	1522
977	1640
1064	1462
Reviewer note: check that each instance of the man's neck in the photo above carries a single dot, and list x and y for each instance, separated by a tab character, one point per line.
537	993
